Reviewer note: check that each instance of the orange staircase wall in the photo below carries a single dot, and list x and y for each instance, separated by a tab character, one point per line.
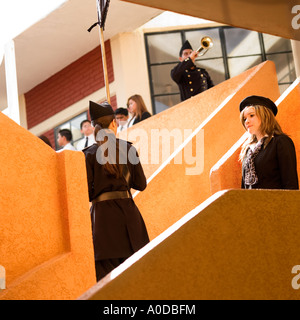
189	114
45	230
226	248
174	191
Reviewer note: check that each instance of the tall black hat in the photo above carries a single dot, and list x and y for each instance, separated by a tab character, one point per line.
185	46
258	100
100	110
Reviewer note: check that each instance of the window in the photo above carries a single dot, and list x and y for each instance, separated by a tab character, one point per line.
74	126
235	50
243	50
279	51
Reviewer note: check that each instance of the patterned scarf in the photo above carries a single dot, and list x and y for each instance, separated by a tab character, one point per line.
250	173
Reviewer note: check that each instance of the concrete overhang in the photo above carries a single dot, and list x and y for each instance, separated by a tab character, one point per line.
276	17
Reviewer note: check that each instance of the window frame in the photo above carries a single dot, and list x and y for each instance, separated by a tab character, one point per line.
221	29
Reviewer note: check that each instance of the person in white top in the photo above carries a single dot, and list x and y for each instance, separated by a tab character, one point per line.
64	138
121	115
88	131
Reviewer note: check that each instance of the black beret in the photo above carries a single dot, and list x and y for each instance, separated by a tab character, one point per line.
100	110
121	111
258	100
185	46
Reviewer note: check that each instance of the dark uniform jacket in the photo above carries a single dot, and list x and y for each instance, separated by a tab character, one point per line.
145	115
190	81
276	165
117	225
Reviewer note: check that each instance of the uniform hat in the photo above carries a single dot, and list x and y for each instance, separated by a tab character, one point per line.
185	46
100	110
121	111
258	100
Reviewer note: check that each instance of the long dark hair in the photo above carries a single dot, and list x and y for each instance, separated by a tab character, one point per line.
115	169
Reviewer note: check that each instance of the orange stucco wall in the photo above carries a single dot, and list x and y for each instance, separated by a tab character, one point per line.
45	230
188	115
227	172
173	192
226	248
237	244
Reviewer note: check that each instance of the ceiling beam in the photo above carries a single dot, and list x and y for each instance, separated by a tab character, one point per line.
276	17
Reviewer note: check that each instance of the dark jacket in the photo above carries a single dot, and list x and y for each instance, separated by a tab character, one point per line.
190	81
276	165
117	225
145	115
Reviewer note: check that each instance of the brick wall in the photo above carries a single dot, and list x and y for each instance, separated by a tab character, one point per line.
71	84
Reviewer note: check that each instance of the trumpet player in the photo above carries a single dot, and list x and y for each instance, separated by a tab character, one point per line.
190	79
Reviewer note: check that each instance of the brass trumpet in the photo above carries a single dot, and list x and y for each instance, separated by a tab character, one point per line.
206	44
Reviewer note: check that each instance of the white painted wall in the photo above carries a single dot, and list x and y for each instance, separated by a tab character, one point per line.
130	67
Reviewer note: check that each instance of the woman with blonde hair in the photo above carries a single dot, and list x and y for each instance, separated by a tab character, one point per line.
268	156
137	108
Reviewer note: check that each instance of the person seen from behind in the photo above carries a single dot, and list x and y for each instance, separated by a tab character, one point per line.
113	168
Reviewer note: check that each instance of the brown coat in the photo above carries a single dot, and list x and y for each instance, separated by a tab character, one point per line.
117	225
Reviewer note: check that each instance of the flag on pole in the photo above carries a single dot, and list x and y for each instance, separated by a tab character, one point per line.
102	6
